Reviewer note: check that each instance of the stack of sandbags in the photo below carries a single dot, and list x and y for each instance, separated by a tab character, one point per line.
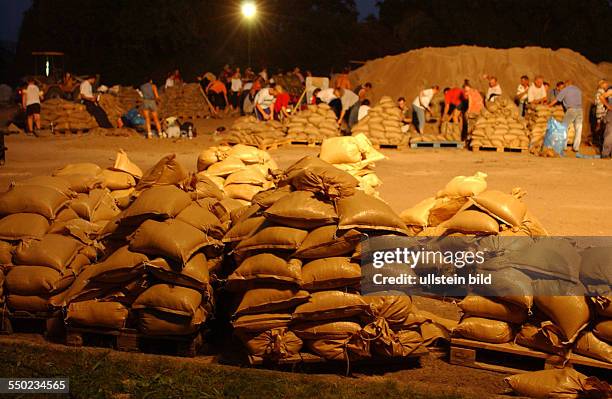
537	120
313	125
65	115
446	131
355	155
112	106
160	251
250	131
382	124
558	383
290	83
296	275
465	206
183	101
500	126
239	172
127	96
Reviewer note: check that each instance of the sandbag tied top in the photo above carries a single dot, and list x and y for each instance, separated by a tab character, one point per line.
168	171
123	163
464	186
362	211
330	273
267	268
395	308
331	305
328	241
167	298
165	201
53	250
42	200
302	209
313	174
19	226
505	207
486	330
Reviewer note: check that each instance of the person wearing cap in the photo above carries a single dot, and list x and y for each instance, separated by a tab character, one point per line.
571	98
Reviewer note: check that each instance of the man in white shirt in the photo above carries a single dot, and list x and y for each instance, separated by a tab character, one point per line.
91	104
521	94
350	107
537	92
494	89
421	104
86	89
364	108
326	95
31	103
264	103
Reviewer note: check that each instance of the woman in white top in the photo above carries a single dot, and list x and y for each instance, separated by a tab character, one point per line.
235	89
31	103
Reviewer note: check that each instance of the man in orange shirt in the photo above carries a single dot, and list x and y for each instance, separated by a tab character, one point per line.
217	93
453	101
475	100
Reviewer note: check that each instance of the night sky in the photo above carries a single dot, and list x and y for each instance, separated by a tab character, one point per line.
11	12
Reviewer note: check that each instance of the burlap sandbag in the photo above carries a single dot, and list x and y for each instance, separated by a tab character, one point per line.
340	150
36	281
267	300
244	192
362	211
254	323
121	266
569	322
53	250
66	214
84	168
55	182
111	315
486	330
418	215
163	201
398	344
84	183
165	172
535	337
44	201
327	241
116	180
25	303
6	253
472	222
276	343
326	329
263	268
206	187
313	174
154	323
21	226
83	230
194	274
302	209
394	307
273	237
167	298
251	174
554	258
173	239
564	383
603	330
226	167
267	198
491	308
123	164
464	186
507	208
244	229
588	344
202	219
96	206
445	208
330	273
330	305
595	270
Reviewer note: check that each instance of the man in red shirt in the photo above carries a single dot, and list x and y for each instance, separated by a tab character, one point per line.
453	104
281	105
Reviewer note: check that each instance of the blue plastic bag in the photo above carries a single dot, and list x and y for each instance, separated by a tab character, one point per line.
556	136
133	118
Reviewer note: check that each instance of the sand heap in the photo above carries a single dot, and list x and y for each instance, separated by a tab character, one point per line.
65	116
313	125
500	125
250	131
383	124
407	73
184	101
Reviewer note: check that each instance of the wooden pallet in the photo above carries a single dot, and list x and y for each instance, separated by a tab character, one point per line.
438	144
49	324
274	145
306	143
500	149
130	340
513	358
390	146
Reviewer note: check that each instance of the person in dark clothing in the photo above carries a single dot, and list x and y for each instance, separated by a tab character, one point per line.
91	103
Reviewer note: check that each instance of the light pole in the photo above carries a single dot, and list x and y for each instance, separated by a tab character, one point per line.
249	9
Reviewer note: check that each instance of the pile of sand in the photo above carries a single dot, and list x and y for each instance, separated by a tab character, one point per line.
405	74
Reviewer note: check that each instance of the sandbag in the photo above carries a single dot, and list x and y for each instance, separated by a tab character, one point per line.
251	174
115	180
398	344
395	308
123	164
24	303
164	201
267	300
329	305
362	211
273	237
472	222
83	183
445	208
167	298
203	220
340	150
603	330
326	329
313	174
276	343
535	337
486	330
569	322
20	226
83	230
266	268
6	254
121	266
327	241
93	313
53	250
564	383
330	273
418	215
589	345
226	167
340	349
84	168
35	281
96	206
505	207
490	308
154	323
194	274
55	182
509	285
206	187
267	198
595	268
302	209
261	322
165	172
206	158
464	186
554	258
243	192
173	239
244	229
44	201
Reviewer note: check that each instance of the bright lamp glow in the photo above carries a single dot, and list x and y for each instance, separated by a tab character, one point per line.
249	10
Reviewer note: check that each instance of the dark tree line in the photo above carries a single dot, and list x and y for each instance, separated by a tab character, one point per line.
128	40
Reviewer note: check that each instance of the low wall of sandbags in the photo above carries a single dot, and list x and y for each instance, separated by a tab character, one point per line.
383	124
111	104
65	115
312	125
501	126
127	96
250	131
537	117
184	101
436	132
